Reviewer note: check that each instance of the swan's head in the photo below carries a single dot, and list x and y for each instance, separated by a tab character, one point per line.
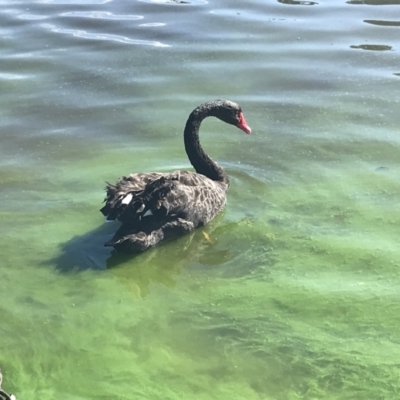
231	113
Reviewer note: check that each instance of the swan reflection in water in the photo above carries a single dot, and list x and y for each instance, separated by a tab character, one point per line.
159	265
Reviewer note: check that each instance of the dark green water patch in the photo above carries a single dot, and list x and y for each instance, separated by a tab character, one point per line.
373	47
298	3
382	23
374	2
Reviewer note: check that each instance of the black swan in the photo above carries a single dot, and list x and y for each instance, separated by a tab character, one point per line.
155	206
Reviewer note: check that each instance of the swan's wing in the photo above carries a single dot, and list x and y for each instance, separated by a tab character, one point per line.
120	196
179	194
195	198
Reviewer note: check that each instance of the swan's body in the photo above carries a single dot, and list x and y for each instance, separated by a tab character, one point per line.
155	206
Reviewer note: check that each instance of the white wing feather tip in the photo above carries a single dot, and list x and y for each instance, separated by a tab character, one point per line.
127	199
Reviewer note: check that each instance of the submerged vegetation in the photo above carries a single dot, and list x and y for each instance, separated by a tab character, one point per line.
292	292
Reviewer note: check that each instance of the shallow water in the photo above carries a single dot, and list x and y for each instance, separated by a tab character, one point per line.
297	293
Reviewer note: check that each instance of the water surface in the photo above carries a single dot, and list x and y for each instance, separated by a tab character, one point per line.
297	293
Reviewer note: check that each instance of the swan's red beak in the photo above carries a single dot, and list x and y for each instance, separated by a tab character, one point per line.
243	124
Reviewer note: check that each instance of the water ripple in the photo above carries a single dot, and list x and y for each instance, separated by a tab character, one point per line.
69	2
11	77
153	24
31	17
101	15
103	36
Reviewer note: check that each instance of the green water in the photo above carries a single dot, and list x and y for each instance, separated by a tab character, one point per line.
295	295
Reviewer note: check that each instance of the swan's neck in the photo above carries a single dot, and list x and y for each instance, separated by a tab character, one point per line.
201	162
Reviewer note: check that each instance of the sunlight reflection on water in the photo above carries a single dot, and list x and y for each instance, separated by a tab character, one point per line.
101	15
103	36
